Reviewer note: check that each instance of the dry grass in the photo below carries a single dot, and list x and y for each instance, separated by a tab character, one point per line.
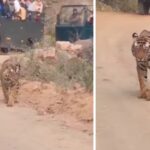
118	5
64	72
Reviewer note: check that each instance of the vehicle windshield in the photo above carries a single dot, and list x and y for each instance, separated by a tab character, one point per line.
72	15
90	7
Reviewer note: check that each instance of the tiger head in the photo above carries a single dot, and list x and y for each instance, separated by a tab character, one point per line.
11	69
140	47
12	72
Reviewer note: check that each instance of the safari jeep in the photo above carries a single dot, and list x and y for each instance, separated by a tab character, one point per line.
74	22
144	6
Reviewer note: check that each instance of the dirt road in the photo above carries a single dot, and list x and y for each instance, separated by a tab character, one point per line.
23	129
123	120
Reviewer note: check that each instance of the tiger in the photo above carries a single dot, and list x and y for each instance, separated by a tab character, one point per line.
9	77
141	52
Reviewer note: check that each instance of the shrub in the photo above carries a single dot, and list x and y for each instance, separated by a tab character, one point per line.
64	72
122	5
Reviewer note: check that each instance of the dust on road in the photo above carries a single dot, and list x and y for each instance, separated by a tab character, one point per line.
123	120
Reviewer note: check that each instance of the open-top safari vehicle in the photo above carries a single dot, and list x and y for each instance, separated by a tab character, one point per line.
74	22
20	26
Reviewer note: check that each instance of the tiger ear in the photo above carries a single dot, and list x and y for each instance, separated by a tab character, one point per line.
134	35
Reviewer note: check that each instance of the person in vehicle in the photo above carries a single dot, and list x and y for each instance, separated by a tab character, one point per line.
8	8
90	18
75	17
36	6
20	11
17	6
1	8
35	9
23	4
39	6
27	3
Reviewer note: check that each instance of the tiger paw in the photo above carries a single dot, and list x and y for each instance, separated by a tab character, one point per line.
142	95
10	105
147	94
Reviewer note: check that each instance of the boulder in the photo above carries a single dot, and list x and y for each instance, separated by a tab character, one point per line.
47	54
86	44
63	45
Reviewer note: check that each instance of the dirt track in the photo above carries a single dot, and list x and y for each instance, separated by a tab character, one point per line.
23	129
123	120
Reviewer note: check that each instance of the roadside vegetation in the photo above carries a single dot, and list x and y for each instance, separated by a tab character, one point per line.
118	5
63	71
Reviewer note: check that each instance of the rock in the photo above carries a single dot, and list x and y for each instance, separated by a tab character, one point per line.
67	46
45	54
75	47
63	45
86	44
